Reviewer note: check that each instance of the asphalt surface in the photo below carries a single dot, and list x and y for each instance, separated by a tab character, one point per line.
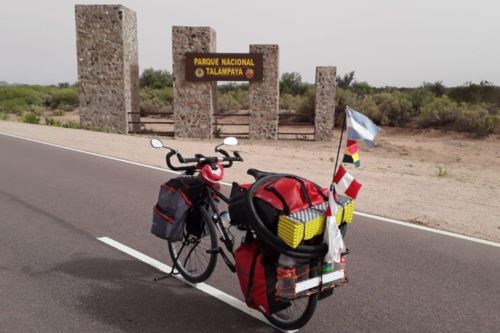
55	276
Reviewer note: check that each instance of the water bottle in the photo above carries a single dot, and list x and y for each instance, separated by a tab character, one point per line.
285	282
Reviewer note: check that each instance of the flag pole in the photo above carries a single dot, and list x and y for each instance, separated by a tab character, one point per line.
340	143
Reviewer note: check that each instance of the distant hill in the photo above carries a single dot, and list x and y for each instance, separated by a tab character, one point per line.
3	83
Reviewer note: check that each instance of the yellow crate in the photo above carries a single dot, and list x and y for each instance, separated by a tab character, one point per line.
308	223
346	210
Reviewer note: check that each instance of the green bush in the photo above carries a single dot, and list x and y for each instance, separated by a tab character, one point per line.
155	79
30	118
308	102
15	105
441	112
52	122
369	107
476	119
64	98
419	98
290	102
227	103
361	88
28	95
4	116
394	108
71	124
291	83
154	100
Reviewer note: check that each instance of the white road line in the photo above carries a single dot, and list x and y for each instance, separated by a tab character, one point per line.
220	295
375	217
436	231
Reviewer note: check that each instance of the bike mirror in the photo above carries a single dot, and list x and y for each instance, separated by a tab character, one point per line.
230	141
155	143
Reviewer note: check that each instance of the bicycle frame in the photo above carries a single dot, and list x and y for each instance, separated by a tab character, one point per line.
216	219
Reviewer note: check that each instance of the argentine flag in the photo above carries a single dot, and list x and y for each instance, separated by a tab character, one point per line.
361	127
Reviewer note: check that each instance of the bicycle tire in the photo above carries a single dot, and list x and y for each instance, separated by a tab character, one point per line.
212	243
295	323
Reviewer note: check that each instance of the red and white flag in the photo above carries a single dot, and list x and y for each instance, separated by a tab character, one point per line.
345	183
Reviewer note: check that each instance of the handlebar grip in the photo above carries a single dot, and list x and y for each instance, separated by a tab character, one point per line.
238	156
227	158
186	160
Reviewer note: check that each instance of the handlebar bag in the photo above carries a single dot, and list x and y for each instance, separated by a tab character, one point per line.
177	201
257	277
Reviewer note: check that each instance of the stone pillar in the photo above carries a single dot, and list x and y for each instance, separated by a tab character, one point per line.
108	70
194	102
325	102
264	96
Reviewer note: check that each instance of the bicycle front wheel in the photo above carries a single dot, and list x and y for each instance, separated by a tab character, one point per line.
296	315
195	257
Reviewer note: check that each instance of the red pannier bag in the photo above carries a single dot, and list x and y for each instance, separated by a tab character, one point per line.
257	278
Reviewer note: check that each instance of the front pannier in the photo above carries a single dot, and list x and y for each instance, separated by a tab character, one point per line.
175	208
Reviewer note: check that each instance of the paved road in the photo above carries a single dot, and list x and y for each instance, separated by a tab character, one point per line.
56	277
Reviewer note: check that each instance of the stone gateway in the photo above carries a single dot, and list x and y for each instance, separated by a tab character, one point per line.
108	70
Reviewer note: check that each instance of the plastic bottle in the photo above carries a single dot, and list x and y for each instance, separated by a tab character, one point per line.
285	282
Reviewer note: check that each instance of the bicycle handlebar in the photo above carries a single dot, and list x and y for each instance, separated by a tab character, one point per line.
201	159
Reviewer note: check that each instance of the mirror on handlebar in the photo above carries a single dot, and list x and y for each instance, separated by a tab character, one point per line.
230	141
155	143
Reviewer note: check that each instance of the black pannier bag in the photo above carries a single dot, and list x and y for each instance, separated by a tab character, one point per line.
176	206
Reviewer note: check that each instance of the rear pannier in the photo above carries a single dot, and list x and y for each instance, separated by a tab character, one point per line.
175	208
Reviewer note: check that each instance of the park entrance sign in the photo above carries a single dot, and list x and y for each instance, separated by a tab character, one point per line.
223	67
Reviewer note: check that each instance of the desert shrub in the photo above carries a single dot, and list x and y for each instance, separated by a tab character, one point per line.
369	107
71	124
308	101
290	102
154	100
241	95
58	113
36	109
442	111
29	95
437	88
291	83
52	122
476	119
361	88
19	99
4	116
156	79
30	118
64	98
394	108
227	102
484	92
14	105
419	98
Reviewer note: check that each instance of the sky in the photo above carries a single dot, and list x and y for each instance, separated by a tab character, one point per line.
387	42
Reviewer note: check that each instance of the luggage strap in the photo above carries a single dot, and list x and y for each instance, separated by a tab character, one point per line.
303	188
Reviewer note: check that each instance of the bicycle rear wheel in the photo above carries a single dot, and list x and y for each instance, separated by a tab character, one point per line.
296	315
194	257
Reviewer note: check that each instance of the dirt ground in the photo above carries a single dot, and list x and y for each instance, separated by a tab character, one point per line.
444	180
